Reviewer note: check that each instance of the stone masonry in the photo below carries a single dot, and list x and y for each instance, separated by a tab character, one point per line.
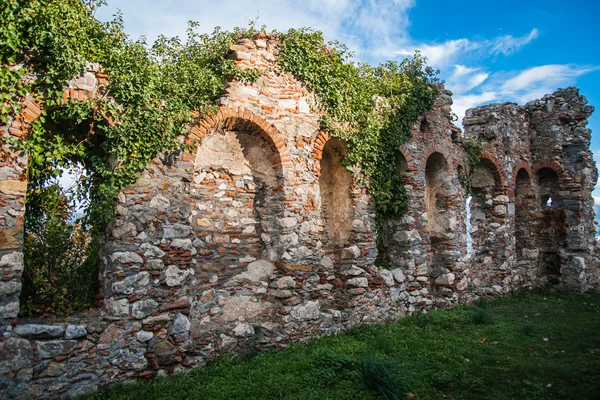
259	237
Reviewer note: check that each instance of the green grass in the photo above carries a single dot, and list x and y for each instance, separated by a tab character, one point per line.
527	346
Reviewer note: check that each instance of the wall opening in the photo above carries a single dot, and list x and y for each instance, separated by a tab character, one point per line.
439	201
334	185
484	184
524	215
550	230
60	244
401	164
238	193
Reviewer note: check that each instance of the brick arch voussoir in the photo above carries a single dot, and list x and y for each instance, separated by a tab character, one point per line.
31	109
521	165
405	151
497	168
438	148
319	144
553	165
241	119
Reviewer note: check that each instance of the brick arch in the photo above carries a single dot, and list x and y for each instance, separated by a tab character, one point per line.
319	143
553	165
497	169
244	120
31	109
438	148
521	165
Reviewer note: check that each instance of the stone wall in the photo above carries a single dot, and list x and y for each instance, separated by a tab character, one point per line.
260	237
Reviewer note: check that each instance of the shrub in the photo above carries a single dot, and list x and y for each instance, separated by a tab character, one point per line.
378	377
481	316
61	259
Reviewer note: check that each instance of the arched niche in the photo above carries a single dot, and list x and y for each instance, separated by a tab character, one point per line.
484	184
441	205
524	215
237	188
550	230
436	195
334	185
401	163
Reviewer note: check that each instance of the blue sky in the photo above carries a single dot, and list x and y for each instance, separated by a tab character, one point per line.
487	51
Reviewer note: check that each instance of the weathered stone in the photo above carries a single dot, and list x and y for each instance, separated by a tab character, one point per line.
132	283
126	257
10	239
75	331
143	336
244	330
183	302
175	276
387	276
286	282
141	309
15	354
256	272
326	262
351	252
110	337
398	275
13	187
358	282
407	236
163	352
243	306
54	348
287	222
160	202
180	325
281	294
151	251
53	369
118	308
176	231
12	261
203	222
9	288
353	271
185	244
35	331
445	280
308	311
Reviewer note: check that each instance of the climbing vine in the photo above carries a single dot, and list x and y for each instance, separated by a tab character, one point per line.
372	108
153	92
473	149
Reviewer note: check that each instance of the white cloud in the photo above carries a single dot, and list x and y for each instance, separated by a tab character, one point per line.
359	25
509	44
441	55
473	87
537	81
465	101
464	79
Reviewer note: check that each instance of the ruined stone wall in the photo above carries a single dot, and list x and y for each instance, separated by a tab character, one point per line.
546	173
259	236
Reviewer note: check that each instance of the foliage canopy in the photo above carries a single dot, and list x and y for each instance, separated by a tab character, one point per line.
154	91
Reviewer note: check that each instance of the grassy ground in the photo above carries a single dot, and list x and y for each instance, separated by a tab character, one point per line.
528	346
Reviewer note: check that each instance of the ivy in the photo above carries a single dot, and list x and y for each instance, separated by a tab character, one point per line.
372	109
473	150
154	92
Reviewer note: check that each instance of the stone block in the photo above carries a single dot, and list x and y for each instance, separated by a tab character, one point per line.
54	348
13	187
37	331
308	311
